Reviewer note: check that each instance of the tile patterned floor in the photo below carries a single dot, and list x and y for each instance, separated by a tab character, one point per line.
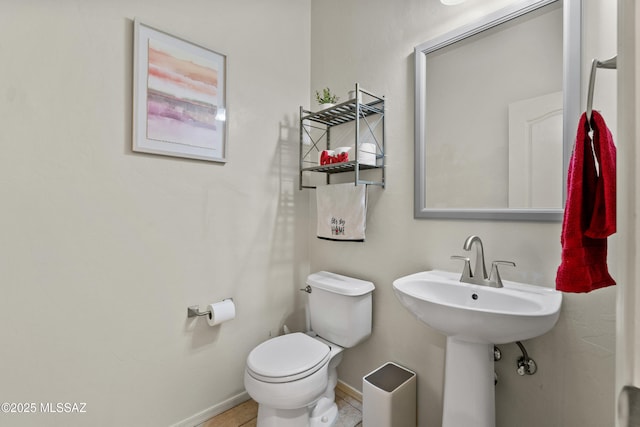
244	415
349	410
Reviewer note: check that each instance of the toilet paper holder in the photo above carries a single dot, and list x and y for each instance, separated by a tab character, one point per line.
194	310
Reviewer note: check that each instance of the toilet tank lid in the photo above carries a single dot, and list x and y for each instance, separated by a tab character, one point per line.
339	284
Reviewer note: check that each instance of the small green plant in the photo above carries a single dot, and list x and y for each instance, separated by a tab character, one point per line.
326	97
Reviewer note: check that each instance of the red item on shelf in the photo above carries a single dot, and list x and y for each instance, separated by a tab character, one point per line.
327	159
342	157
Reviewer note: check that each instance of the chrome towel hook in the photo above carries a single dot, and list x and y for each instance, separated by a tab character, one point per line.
610	64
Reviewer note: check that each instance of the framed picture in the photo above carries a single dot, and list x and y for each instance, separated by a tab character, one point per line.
179	97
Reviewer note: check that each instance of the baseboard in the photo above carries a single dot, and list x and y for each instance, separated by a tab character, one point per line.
349	391
212	411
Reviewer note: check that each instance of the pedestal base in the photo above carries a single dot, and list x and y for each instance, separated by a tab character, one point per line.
469	390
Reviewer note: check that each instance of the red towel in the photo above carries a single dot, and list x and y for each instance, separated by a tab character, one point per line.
590	211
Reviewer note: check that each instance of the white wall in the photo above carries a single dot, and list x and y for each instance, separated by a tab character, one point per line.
371	42
103	249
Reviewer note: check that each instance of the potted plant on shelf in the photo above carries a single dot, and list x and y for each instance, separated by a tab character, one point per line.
326	99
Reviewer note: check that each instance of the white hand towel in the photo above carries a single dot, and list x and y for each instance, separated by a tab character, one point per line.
342	211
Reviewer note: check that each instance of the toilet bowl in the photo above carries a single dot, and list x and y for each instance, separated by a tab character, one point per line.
293	376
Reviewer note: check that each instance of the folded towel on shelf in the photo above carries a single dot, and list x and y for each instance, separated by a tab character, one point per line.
342	212
590	211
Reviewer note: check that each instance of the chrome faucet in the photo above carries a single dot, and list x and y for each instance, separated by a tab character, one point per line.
479	275
480	271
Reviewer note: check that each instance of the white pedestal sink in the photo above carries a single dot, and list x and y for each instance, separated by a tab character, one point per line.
474	318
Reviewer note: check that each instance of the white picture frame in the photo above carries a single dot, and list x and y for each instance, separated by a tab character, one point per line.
179	97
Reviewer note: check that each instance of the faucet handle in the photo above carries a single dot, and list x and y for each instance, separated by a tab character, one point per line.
494	276
466	271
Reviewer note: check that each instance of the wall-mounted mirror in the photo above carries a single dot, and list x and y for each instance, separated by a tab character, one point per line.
497	104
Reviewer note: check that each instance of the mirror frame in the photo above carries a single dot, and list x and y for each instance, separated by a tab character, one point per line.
571	88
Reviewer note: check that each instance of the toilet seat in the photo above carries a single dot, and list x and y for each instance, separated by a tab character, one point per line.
287	358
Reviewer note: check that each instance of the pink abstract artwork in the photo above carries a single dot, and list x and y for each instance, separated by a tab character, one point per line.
182	97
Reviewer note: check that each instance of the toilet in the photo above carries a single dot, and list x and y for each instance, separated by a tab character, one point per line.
293	376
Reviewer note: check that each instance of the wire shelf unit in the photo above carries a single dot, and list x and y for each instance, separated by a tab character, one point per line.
315	136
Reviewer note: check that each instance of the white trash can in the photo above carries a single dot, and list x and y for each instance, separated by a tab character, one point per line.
389	397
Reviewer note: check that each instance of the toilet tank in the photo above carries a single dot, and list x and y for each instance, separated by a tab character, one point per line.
340	308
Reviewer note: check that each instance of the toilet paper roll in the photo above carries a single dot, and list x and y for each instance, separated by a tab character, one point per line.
221	312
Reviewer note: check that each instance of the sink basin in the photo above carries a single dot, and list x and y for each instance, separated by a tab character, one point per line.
476	313
474	318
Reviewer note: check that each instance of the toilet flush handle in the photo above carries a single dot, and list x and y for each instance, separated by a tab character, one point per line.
307	289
